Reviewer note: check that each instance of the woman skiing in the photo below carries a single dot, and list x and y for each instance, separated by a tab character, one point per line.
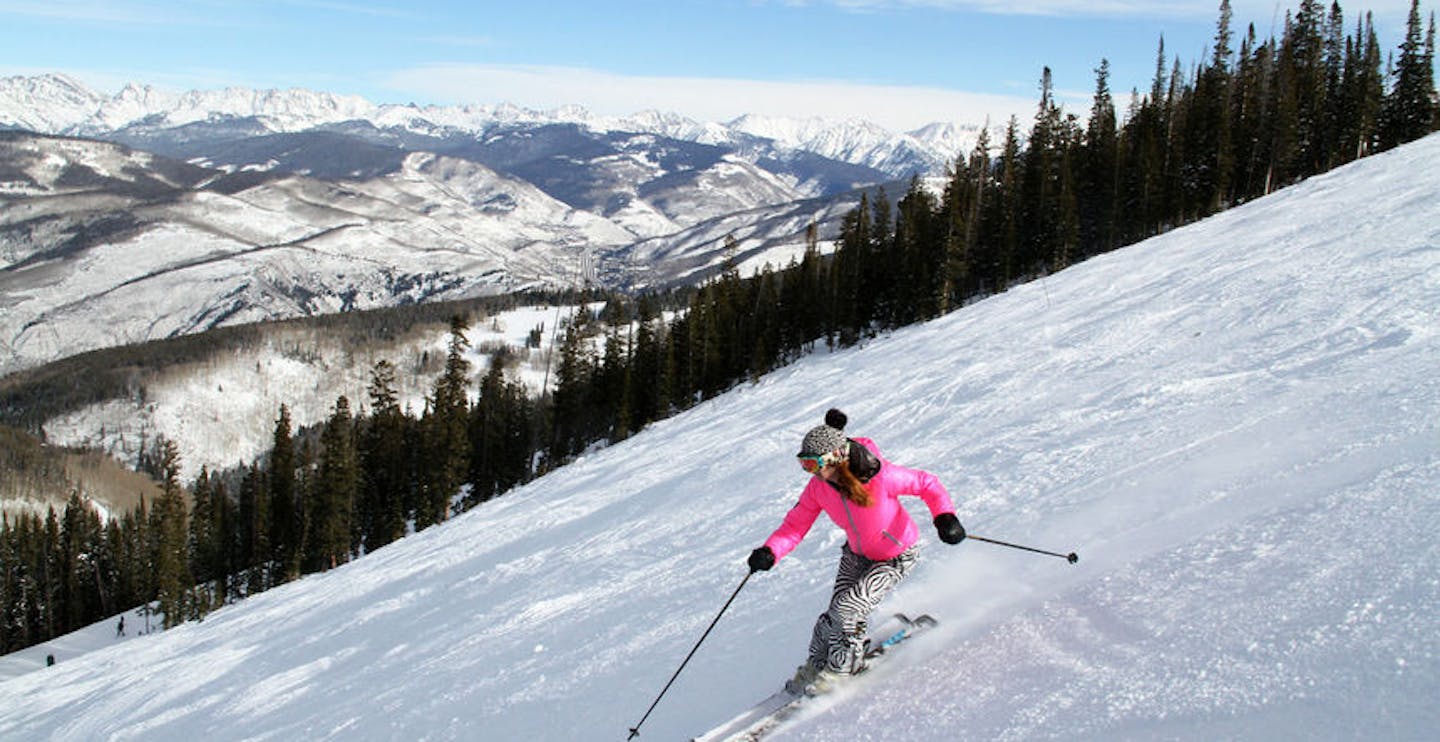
859	490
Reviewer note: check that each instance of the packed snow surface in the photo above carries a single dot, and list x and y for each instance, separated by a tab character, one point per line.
1235	426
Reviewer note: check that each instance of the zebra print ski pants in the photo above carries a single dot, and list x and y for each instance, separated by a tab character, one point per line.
838	642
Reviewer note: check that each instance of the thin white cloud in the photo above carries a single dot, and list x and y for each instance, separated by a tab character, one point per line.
1150	8
213	13
457	40
1183	9
98	12
351	8
898	108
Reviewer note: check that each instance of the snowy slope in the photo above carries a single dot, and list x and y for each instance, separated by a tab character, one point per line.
137	252
1234	425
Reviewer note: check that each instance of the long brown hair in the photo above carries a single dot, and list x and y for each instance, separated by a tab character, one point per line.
851	487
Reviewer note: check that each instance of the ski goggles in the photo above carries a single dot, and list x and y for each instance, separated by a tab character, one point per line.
813	464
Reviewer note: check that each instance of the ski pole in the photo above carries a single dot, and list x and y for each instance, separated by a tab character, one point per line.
635	730
1072	557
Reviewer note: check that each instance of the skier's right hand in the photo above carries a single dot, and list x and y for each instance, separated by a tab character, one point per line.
761	559
949	528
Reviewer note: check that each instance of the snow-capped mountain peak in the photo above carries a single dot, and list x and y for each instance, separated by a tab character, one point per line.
50	103
57	104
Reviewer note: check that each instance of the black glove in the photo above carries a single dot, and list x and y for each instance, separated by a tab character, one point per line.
761	559
949	528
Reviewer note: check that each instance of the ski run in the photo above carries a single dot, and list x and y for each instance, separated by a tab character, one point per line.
1236	425
764	718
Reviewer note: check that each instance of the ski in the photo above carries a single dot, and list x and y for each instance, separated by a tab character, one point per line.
759	720
749	718
908	627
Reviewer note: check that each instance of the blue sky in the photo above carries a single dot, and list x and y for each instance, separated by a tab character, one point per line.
899	63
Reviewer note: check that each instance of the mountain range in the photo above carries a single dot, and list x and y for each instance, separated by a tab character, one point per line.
59	104
147	214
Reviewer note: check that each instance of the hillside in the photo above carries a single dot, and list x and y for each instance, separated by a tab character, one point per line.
39	477
1233	424
102	245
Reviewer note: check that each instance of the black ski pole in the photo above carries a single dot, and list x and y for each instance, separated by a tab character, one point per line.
635	730
1072	557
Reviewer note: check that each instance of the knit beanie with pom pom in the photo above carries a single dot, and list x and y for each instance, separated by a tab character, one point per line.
827	440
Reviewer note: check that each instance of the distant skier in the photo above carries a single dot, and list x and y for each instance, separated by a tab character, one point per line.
120	628
859	490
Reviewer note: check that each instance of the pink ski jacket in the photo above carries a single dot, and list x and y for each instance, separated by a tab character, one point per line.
880	532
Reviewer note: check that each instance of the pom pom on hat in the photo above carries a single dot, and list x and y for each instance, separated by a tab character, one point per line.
828	438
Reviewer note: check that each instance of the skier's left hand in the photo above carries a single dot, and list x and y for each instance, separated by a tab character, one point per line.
761	559
949	528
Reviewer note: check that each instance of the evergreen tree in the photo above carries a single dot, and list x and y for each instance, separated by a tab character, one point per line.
849	299
18	586
514	455
1210	168
1410	109
1254	79
445	428
810	300
1177	193
1363	89
486	431
255	552
769	309
1429	65
1333	147
102	566
571	397
1100	169
1147	150
113	599
12	592
717	341
170	534
1287	142
502	434
1007	210
644	391
226	527
137	568
920	245
385	463
78	599
337	483
1303	54
674	386
48	582
206	548
879	262
610	385
964	201
286	524
1048	217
